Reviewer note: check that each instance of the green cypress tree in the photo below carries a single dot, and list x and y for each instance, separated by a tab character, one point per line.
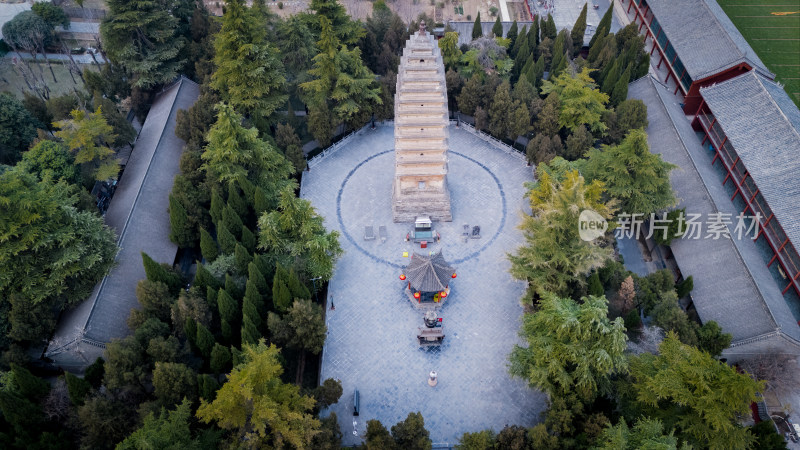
232	287
227	241
595	286
181	233
595	49
228	307
242	49
533	35
578	30
77	388
227	330
233	221
522	37
249	240
190	330
523	55
620	92
477	31
29	385
208	247
538	74
558	53
281	295
609	77
203	278
217	205
220	359
297	287
260	202
523	70
207	387
254	276
254	298
497	29
562	64
512	34
211	298
604	26
250	333
157	272
205	340
552	31
242	258
236	201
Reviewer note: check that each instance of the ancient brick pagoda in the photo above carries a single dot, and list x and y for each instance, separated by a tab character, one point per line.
420	133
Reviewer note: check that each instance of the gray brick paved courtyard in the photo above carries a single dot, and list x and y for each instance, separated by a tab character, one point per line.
371	342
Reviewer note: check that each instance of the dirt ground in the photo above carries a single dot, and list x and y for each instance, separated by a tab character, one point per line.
408	10
11	80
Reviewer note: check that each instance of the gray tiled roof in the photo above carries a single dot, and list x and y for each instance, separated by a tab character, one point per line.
703	36
429	274
763	125
732	284
139	212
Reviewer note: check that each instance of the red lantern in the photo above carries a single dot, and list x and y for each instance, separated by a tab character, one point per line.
416	295
454	275
402	277
443	294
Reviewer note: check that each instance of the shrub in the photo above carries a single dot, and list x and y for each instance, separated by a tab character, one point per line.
280	5
493	10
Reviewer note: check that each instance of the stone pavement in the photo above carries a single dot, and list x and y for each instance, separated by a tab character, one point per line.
371	344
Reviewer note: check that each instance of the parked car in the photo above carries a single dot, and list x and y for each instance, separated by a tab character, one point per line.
77	50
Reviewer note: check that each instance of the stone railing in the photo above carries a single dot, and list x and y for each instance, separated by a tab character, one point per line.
497	143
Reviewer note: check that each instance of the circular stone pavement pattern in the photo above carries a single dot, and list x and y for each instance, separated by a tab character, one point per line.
371	344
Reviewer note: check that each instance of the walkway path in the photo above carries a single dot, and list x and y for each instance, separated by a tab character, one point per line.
371	343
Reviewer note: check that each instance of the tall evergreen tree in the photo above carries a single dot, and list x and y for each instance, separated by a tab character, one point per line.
578	30
347	30
217	206
477	30
249	74
513	31
208	248
227	241
535	36
204	279
205	340
255	276
497	28
156	272
501	111
637	178
242	258
236	201
581	102
610	77
143	37
234	152
232	221
551	30
565	341
340	79
620	92
281	295
558	53
249	239
180	232
522	37
604	26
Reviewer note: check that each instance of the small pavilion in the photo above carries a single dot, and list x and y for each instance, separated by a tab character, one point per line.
428	280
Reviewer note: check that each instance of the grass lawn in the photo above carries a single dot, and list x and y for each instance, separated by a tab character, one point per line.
11	80
774	37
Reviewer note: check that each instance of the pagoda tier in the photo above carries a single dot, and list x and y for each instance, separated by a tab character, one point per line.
420	133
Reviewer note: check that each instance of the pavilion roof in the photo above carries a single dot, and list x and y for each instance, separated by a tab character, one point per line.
429	273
